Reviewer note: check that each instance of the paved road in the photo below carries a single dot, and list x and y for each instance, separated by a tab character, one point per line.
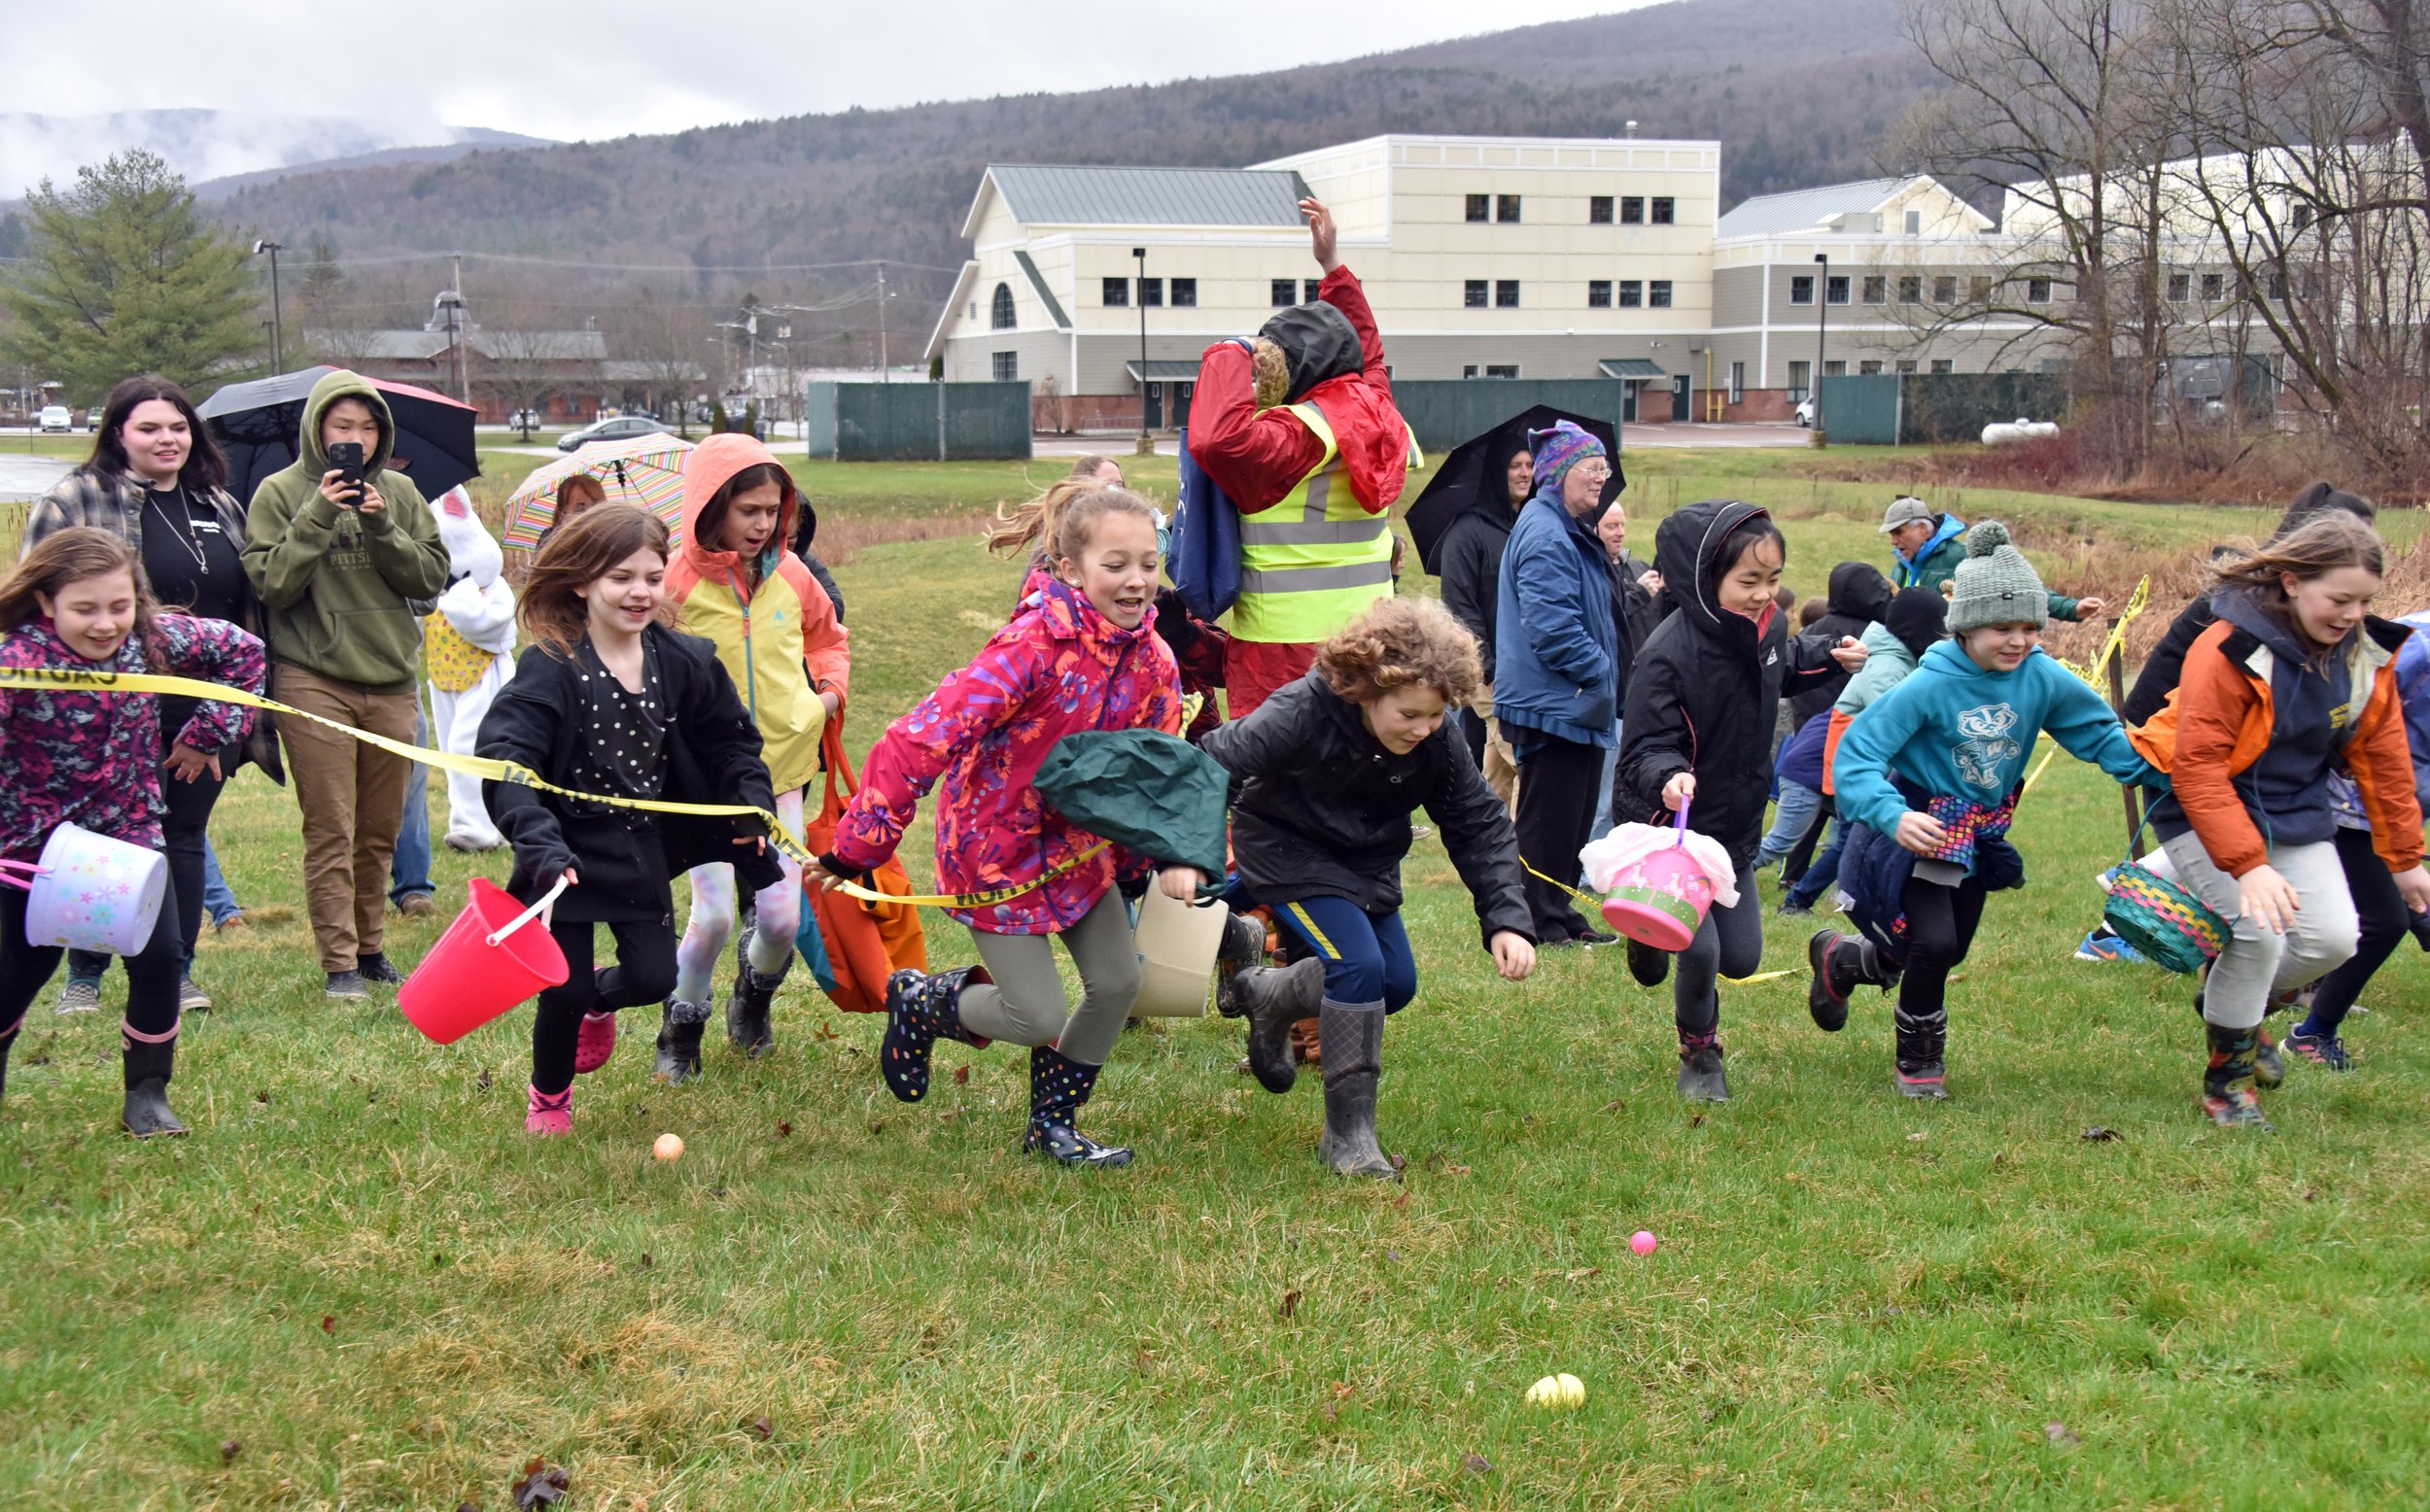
1645	436
30	477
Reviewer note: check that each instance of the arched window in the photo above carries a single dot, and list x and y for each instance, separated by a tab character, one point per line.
1001	311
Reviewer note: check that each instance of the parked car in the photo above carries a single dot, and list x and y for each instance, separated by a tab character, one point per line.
524	419
1805	413
92	419
615	429
56	417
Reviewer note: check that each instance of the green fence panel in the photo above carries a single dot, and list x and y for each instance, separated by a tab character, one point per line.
1443	412
819	418
1861	409
986	422
1957	407
885	422
919	422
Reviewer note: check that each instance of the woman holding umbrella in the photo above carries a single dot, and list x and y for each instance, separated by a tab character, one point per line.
156	481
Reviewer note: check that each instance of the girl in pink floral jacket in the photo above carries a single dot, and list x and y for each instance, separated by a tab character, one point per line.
1085	657
92	759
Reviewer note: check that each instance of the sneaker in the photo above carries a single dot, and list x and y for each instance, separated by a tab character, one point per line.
191	999
549	1114
80	996
1701	1079
220	926
1790	907
1596	937
594	1043
1824	999
2268	1066
2107	948
1064	1145
1651	967
2238	1108
2107	881
2325	1050
347	985
1925	1082
378	968
416	905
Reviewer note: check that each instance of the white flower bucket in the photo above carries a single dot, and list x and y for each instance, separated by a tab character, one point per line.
95	893
1177	944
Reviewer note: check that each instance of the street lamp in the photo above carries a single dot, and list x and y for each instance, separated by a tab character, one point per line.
1822	327
1139	296
450	305
278	344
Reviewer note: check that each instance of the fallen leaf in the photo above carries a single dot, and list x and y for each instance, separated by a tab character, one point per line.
645	1263
877	1125
229	1448
2061	1434
543	1485
1614	1105
961	1076
2099	1134
1402	1200
328	1323
824	1031
480	1084
1332	1412
1476	1464
762	1430
1290	1302
468	1506
1917	1138
1695	1120
1391	1254
2312	1195
263	1097
784	1129
1342	1390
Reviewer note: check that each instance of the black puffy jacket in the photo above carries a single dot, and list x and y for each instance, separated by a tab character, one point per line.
1322	810
1703	695
1860	597
1469	554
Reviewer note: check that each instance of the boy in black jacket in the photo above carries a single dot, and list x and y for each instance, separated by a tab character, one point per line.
1325	775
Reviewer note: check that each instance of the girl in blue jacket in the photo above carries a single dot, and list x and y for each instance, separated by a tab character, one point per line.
1927	779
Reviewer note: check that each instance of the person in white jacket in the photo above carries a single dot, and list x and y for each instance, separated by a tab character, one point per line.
466	644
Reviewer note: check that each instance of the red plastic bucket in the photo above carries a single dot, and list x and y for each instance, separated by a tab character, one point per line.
486	962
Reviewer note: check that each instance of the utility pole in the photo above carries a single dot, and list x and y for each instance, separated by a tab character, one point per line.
1821	330
278	343
885	374
1140	297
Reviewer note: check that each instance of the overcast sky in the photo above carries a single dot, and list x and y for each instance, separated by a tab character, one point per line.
606	68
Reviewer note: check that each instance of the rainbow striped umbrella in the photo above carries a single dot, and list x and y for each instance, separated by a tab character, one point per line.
637	469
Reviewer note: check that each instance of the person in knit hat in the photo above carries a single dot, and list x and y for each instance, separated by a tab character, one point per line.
1927	777
1927	548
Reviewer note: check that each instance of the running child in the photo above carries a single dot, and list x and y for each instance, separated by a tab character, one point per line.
1083	657
736	585
1701	704
78	602
1325	776
2295	683
608	699
1927	777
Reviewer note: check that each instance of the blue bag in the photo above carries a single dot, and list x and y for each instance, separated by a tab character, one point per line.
1205	562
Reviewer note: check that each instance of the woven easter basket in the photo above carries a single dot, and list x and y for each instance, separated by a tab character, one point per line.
2168	924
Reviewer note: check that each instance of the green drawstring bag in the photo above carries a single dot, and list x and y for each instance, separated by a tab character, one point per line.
1154	794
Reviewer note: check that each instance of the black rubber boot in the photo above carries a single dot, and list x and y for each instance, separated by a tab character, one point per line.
1059	1089
8	1042
1922	1039
748	1021
1243	945
2226	1101
148	1069
919	1011
1651	967
1274	998
680	1027
1826	996
1701	1079
1353	1037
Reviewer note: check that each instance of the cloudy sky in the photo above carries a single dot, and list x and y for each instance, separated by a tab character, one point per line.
604	68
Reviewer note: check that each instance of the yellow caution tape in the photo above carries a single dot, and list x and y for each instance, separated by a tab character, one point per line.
491	769
2137	603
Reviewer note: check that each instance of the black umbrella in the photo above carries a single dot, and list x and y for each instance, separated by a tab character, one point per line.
1473	471
259	423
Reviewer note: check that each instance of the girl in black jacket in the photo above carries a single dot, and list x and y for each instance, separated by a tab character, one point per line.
1701	701
610	702
1325	775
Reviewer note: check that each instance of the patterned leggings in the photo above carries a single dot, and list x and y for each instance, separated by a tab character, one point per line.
712	925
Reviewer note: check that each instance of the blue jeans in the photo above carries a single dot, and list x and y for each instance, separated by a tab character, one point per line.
219	900
1367	955
409	869
1822	875
1603	794
1791	818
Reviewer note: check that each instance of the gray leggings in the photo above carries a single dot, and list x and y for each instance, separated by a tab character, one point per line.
2258	962
1025	1003
1730	943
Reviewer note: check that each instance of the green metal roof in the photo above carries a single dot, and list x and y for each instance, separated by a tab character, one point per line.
1632	367
1162	369
1038	281
1045	195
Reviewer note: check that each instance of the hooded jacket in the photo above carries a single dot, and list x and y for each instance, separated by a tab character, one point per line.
1556	651
2222	720
1955	730
1058	669
335	581
780	641
1859	595
1470	555
1258	457
1936	563
1321	809
1705	690
1888	662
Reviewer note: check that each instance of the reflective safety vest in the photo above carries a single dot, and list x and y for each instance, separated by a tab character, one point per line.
1310	563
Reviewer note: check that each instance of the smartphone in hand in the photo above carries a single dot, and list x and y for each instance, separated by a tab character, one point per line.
347	458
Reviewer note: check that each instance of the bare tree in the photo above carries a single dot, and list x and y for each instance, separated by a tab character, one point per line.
522	364
665	342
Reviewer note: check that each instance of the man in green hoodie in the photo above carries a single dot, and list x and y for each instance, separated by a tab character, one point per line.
335	564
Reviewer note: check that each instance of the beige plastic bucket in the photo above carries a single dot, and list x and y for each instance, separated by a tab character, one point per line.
1177	944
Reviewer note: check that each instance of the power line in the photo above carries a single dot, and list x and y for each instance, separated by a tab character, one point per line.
763	268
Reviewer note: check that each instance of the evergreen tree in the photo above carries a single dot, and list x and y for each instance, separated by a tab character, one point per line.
122	276
322	279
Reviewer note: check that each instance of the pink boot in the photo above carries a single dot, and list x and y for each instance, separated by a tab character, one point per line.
549	1113
594	1043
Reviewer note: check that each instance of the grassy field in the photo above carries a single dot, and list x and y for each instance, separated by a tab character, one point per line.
360	1284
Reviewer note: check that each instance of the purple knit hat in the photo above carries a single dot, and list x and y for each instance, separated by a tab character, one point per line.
1560	448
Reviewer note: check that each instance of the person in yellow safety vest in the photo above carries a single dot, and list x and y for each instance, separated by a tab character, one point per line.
1299	428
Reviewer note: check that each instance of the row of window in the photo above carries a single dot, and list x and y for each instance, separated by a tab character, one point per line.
1601	209
1801	374
1005	367
1115	293
1876	289
1651	293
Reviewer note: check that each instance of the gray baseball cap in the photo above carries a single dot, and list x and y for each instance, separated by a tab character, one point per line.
1906	509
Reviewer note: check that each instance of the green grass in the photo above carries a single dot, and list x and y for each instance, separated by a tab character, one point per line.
359	1283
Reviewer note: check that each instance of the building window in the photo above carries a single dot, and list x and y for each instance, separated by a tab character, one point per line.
1599	293
1502	369
1005	365
1662	210
2037	291
1915	222
2214	287
1876	289
1632	294
1469	371
1942	364
1286	292
1185	294
1801	288
1870	367
1117	293
1981	290
1000	310
1474	294
1479	209
1505	294
1152	293
1598	210
1836	367
1738	383
1307	290
1906	365
1659	294
1911	289
2180	287
1797	372
1505	209
1836	290
1632	210
1945	289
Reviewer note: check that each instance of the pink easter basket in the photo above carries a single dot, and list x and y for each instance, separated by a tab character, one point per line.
1661	899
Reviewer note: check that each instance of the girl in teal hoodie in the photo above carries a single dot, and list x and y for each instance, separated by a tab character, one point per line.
1927	779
